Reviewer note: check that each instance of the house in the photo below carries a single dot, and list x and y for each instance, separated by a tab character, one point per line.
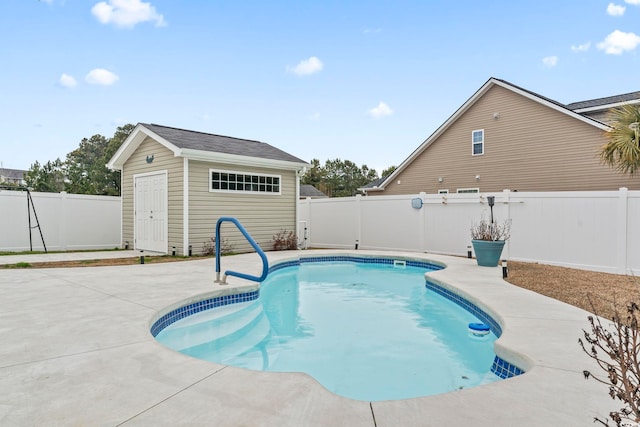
309	191
176	183
507	137
12	176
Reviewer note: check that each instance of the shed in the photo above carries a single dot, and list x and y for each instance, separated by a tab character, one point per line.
176	183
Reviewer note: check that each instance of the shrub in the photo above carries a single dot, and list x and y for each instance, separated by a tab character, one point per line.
285	240
209	247
616	353
485	230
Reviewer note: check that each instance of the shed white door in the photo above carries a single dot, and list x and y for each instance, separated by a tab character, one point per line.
150	212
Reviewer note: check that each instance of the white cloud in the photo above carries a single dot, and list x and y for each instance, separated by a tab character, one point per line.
66	80
635	2
618	42
380	111
581	47
372	31
550	61
307	67
126	13
615	9
100	76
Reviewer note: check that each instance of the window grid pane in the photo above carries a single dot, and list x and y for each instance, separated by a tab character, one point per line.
240	182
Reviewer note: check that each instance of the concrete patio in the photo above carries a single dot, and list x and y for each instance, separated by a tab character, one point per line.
76	351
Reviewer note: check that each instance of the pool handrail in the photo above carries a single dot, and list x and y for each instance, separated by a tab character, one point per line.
265	263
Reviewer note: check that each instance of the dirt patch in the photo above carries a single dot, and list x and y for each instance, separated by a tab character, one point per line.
591	291
100	262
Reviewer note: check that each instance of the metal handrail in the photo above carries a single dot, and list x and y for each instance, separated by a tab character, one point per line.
265	263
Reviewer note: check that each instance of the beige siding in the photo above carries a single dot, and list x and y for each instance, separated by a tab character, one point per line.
529	147
263	215
163	160
602	116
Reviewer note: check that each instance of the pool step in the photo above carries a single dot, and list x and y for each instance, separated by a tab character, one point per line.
222	348
210	325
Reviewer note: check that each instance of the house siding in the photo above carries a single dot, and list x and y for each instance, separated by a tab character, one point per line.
163	160
262	215
529	147
603	116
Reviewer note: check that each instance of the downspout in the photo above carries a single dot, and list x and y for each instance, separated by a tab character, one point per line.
299	173
185	207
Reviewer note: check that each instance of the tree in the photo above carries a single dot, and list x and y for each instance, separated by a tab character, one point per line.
84	171
388	171
48	178
622	151
338	178
313	175
85	166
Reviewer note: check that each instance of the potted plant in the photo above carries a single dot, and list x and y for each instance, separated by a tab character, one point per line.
488	238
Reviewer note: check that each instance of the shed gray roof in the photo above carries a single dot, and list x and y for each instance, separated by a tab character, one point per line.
194	140
615	99
308	190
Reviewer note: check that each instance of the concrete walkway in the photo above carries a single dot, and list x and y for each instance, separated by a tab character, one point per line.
76	351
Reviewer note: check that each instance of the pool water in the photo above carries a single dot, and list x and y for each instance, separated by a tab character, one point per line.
365	331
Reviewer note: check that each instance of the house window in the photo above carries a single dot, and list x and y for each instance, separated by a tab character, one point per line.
443	191
468	190
477	142
241	182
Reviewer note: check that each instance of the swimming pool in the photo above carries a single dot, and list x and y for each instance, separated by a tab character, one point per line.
365	329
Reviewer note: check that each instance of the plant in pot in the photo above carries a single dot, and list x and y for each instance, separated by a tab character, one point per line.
488	239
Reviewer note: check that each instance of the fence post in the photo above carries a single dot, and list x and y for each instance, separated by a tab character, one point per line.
358	219
64	218
423	219
623	225
507	199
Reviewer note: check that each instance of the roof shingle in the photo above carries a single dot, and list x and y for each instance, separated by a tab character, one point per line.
195	140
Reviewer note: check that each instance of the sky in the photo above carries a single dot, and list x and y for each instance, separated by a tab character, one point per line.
365	81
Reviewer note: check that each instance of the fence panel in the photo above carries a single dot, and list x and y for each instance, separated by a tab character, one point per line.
389	222
334	223
67	221
588	230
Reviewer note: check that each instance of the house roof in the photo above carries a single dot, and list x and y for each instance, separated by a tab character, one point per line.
562	108
12	173
605	103
308	190
374	184
207	147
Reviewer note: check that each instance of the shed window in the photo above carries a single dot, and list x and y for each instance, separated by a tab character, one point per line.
467	190
477	142
241	182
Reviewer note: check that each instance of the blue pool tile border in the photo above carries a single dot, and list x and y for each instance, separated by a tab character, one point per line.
197	307
500	367
355	259
504	369
470	307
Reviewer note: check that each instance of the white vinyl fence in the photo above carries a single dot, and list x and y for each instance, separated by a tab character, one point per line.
67	221
597	231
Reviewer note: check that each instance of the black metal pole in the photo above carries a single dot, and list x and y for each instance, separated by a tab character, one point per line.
29	216
37	221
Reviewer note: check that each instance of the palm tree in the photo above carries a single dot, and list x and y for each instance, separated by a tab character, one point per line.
623	149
